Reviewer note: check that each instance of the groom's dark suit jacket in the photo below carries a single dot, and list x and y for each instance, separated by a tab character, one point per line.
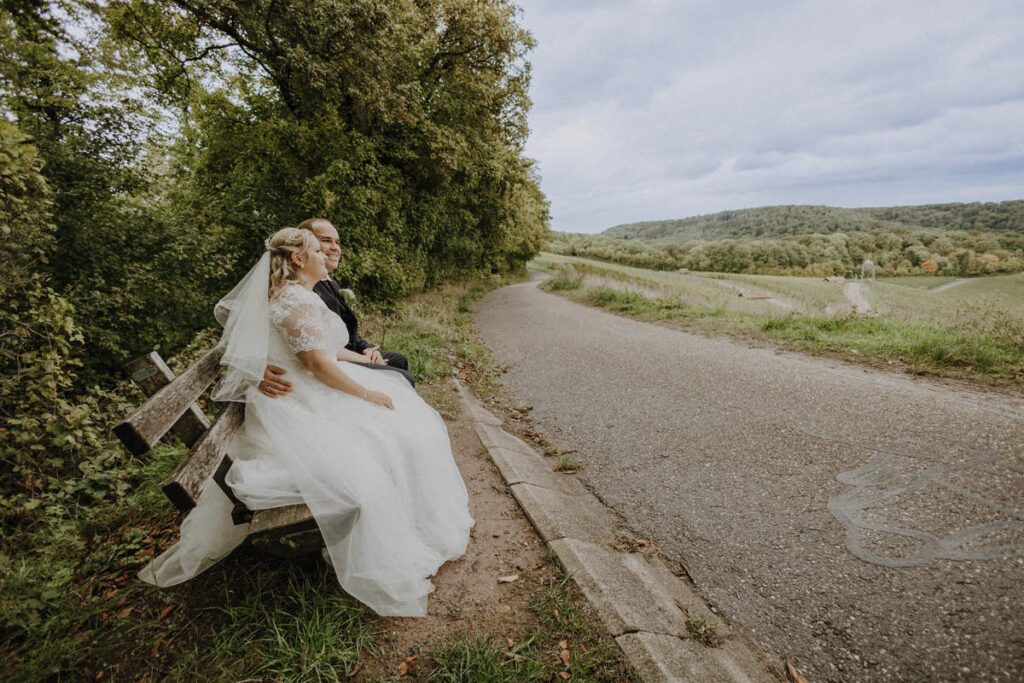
330	291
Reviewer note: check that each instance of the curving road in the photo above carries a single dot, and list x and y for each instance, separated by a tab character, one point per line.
866	525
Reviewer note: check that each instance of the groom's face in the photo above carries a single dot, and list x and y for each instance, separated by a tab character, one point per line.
329	242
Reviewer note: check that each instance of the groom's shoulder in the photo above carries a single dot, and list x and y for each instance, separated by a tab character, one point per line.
330	291
326	287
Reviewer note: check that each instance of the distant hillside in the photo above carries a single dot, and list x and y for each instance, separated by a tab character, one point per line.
777	221
945	239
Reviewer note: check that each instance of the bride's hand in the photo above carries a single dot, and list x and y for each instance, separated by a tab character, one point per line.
380	399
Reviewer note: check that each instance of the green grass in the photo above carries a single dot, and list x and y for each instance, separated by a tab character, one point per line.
304	630
569	464
72	607
694	289
973	331
811	294
486	660
593	655
921	281
703	632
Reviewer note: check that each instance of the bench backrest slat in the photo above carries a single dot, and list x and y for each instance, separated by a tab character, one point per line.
151	374
141	430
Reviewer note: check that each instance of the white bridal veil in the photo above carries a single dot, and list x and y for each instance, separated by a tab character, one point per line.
245	314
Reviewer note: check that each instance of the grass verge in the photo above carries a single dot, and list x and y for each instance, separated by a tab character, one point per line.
983	344
566	645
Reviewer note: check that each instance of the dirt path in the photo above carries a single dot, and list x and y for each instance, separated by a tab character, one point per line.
468	599
755	294
856	298
951	285
866	524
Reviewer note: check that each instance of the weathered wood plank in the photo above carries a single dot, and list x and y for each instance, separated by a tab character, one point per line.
185	485
274	519
288	531
141	430
151	374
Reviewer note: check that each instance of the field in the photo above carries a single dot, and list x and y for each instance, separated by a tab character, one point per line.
952	327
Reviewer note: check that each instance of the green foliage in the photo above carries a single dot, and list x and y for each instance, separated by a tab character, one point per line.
564	278
47	431
948	239
177	135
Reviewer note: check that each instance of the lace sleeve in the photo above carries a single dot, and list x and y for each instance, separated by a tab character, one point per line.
299	321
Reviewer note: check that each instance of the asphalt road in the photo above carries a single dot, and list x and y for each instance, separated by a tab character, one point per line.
867	525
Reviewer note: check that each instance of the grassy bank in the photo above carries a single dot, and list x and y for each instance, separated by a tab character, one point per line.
974	331
72	609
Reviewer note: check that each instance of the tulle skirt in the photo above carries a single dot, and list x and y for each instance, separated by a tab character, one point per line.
381	484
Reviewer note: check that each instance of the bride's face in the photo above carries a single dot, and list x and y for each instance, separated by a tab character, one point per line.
312	265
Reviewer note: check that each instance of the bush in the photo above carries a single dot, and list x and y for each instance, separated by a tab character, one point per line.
565	278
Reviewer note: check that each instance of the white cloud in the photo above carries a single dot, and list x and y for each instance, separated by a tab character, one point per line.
648	109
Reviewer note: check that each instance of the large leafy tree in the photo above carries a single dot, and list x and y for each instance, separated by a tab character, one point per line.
177	134
402	121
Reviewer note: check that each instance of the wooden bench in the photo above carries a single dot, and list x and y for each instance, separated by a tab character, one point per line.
171	408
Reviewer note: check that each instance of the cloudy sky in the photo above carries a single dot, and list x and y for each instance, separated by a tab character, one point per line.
651	109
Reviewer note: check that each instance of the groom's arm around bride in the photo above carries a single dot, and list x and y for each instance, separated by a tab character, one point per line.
274	383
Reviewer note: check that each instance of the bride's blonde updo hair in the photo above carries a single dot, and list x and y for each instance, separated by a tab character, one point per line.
282	245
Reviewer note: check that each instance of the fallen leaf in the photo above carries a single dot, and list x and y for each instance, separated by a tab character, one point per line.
565	675
563	645
111	593
794	674
565	657
407	666
504	609
123	614
508	579
511	643
558	617
167	610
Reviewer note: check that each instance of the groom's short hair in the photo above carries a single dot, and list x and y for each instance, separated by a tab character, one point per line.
311	223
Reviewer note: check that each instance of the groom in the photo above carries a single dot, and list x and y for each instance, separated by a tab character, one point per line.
273	383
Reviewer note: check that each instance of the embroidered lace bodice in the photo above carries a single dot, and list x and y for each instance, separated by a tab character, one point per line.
304	323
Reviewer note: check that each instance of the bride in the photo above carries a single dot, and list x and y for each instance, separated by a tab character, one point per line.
368	456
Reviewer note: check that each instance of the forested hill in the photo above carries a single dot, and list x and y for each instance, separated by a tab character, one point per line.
773	221
946	239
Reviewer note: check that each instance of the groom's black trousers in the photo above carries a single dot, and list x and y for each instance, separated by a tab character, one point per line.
396	362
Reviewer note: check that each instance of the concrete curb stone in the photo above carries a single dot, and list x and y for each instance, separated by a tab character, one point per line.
641	603
556	515
533	470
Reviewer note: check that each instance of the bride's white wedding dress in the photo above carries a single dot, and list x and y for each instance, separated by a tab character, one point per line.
382	484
